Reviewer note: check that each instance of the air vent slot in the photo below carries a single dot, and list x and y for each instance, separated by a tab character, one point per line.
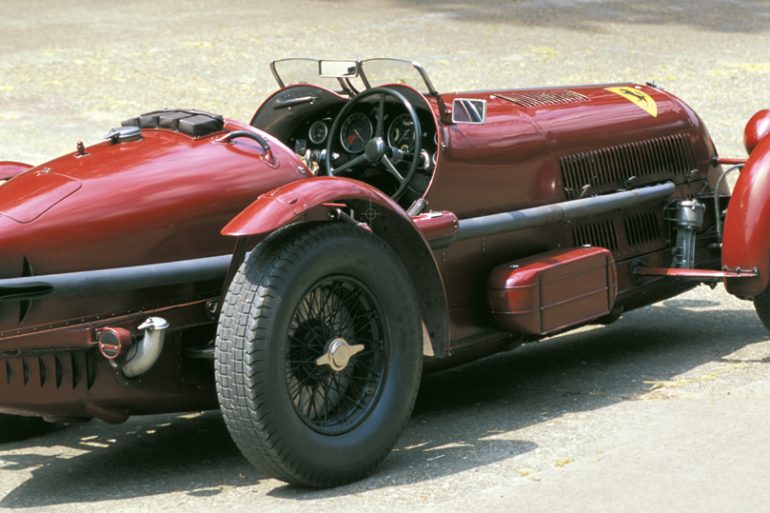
90	369
43	371
613	168
25	371
60	370
642	228
75	370
597	234
541	98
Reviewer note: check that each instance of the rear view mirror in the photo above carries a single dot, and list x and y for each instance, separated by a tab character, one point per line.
466	110
338	69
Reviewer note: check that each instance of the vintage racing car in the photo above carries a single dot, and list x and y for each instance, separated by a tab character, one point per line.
299	271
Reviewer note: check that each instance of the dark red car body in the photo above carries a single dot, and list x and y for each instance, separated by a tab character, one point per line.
557	207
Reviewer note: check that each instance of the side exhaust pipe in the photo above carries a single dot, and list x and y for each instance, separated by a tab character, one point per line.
544	215
143	355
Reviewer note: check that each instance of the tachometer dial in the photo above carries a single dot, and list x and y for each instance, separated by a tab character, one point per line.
318	132
355	132
401	133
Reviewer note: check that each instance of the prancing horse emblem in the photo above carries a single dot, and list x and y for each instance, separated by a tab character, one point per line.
639	98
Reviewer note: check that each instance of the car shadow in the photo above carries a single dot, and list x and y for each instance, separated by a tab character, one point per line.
459	411
144	456
456	426
710	15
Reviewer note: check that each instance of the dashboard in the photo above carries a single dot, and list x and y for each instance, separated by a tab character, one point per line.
312	138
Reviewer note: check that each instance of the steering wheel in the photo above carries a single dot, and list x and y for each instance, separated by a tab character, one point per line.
377	152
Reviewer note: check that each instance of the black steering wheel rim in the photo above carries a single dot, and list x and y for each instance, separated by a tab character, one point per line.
377	151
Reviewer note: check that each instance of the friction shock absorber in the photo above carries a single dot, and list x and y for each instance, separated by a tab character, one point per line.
687	217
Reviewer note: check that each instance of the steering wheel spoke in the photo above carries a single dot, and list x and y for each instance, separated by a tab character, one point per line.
380	117
350	163
390	167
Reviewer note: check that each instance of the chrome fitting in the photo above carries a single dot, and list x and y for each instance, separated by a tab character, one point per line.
143	355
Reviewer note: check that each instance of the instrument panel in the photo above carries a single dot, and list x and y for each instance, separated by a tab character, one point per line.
358	128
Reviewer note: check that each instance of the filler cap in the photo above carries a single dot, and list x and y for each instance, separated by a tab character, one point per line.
124	134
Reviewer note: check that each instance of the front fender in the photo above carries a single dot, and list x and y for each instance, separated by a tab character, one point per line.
294	200
746	240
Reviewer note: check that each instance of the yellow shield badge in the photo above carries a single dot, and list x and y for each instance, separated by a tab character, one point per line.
639	98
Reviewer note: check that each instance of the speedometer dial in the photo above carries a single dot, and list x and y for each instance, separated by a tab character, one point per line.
355	132
401	133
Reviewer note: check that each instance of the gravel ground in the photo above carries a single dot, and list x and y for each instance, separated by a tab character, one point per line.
665	410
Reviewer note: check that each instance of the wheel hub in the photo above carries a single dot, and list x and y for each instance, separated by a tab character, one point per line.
338	354
375	150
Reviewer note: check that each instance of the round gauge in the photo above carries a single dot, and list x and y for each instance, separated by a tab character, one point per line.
401	133
355	132
318	132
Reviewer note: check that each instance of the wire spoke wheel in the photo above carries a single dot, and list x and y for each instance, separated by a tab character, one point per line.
333	401
318	354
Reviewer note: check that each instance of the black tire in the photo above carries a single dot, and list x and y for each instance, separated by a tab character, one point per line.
292	417
762	306
15	427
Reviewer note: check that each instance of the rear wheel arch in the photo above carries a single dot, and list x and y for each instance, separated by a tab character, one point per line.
409	245
314	199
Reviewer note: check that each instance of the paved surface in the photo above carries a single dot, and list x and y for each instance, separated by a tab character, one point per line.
666	410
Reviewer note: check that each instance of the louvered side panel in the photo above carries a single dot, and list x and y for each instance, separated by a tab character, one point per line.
52	371
530	99
642	228
625	236
596	234
607	169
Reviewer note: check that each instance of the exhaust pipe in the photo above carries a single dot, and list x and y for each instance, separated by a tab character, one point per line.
536	217
143	355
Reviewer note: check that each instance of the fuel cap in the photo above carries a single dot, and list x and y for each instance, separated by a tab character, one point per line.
124	134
